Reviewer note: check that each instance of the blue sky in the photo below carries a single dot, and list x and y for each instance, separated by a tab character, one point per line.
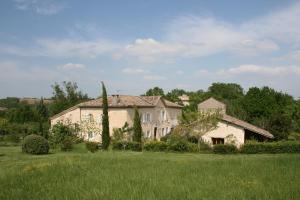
135	45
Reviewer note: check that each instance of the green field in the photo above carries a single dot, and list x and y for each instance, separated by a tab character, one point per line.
142	175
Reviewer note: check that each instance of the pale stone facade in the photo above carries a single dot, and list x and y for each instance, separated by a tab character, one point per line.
158	116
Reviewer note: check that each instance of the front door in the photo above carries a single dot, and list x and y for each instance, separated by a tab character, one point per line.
155	131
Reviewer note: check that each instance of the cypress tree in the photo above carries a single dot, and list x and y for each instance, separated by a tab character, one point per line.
105	121
137	127
42	110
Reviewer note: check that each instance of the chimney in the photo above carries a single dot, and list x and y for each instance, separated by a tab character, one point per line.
115	99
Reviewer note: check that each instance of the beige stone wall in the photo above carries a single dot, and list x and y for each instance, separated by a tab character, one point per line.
223	131
90	120
72	117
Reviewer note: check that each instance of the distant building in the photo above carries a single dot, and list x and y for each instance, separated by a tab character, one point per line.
185	99
158	115
230	129
34	101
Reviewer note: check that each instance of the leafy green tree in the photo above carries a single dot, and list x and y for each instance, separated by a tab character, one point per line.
60	132
137	127
196	124
156	91
105	120
226	91
9	102
22	114
174	94
42	110
269	109
66	96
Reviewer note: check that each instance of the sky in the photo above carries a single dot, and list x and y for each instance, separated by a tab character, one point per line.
134	45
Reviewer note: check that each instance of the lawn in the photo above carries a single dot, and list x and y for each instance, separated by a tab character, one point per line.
142	175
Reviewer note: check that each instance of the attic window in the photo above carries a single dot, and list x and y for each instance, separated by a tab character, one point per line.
217	141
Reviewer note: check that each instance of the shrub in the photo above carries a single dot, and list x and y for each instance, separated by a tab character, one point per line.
271	147
77	140
59	132
166	137
155	146
120	145
67	144
35	144
192	147
125	145
92	146
14	138
204	146
225	149
179	145
135	146
192	139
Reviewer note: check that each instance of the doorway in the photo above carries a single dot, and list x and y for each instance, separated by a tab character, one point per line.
155	131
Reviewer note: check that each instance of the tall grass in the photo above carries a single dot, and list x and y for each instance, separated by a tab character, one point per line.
145	175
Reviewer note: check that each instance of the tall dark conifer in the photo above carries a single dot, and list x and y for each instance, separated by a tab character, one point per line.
105	120
137	127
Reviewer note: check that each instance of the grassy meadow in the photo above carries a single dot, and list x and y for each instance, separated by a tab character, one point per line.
144	175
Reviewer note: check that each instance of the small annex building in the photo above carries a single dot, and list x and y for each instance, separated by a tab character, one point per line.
230	129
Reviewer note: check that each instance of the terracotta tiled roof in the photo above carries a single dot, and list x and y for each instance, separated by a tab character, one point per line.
122	101
116	101
247	126
212	103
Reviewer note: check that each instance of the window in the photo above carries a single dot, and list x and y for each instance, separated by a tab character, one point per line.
146	117
90	135
99	119
163	115
162	132
217	141
87	117
167	130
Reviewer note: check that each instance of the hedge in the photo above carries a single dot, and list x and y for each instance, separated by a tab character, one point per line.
126	145
92	146
155	146
225	149
271	147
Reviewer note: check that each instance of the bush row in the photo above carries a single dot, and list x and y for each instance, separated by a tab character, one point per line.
126	145
259	147
271	147
174	146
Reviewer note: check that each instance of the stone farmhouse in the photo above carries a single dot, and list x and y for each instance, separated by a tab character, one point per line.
158	115
230	129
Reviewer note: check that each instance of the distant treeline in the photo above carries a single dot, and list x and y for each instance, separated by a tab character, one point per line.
272	110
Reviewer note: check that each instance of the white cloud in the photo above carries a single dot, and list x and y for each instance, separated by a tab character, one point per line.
43	7
148	50
73	48
184	37
71	66
282	25
179	72
134	71
154	77
64	48
261	70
